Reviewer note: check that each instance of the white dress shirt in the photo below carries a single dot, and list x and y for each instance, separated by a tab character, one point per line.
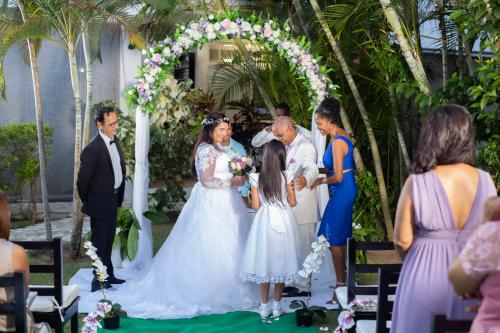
115	159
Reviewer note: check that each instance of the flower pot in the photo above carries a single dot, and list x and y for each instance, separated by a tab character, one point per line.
304	318
112	323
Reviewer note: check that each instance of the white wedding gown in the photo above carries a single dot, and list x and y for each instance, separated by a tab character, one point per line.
196	270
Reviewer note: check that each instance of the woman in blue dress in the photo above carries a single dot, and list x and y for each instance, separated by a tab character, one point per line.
336	223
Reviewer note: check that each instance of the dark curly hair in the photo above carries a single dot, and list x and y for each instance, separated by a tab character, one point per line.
447	136
329	109
208	125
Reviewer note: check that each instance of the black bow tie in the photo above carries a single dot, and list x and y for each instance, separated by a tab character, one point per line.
111	142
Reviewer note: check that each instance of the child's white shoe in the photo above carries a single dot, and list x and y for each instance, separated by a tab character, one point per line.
276	309
265	310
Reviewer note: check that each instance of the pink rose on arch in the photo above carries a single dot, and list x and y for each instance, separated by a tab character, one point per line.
225	23
267	31
156	57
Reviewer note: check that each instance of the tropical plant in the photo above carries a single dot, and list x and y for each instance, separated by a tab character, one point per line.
7	26
19	159
127	233
364	115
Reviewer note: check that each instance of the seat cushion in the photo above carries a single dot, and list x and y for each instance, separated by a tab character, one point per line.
45	304
366	326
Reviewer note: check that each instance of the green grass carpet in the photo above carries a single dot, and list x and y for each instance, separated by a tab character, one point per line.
233	322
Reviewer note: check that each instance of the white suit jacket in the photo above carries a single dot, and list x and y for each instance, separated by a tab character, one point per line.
301	161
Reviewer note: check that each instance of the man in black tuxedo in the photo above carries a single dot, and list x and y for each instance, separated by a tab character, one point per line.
101	186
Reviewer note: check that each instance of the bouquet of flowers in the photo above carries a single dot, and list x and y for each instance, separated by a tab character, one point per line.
240	166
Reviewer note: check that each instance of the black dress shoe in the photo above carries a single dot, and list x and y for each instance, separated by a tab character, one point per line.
96	285
115	280
297	293
289	289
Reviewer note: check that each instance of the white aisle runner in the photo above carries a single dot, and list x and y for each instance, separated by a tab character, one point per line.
321	292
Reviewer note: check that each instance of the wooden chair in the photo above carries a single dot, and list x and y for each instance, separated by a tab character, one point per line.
17	307
387	281
441	324
347	294
55	304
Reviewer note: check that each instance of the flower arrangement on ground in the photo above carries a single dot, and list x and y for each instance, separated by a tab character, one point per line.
105	308
312	264
346	317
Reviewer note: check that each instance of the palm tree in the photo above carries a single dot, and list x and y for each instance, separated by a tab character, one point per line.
94	15
32	54
410	53
364	115
60	18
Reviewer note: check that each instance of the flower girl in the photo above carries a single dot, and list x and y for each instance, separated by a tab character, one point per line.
272	250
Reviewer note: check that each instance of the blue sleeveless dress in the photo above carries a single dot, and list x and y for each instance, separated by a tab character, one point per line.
336	223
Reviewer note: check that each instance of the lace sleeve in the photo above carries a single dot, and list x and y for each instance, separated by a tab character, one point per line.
206	159
481	254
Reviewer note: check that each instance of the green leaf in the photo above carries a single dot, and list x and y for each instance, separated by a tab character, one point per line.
132	242
155	217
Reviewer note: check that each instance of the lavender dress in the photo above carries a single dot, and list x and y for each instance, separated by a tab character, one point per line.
423	287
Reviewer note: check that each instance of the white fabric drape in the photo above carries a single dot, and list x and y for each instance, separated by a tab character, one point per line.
140	195
319	142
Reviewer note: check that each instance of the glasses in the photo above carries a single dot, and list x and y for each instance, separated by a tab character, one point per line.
114	123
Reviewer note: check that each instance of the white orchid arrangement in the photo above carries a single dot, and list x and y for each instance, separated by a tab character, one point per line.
164	56
312	264
105	308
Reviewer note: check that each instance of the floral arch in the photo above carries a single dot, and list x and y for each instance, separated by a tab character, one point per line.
157	71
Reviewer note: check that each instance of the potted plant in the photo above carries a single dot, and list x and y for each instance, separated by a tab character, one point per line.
312	263
106	311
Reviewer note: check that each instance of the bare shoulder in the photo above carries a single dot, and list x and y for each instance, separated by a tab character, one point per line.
18	252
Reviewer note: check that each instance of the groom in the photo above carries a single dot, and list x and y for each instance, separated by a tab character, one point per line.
301	162
101	185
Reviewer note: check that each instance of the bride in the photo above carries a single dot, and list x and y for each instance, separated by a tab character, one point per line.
196	269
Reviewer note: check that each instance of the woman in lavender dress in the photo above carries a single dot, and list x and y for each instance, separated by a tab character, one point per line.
440	206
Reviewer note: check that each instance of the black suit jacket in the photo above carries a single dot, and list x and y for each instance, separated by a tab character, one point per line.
96	179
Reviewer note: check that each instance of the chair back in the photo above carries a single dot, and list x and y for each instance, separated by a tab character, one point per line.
55	268
441	324
387	282
17	307
354	268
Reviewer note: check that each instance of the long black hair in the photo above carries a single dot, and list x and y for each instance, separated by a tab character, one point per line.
207	128
446	137
272	171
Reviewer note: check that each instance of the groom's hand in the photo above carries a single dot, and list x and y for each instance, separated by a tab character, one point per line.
301	183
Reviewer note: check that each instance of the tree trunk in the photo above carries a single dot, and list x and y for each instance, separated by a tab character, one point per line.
399	131
460	58
358	161
444	44
468	53
364	115
300	14
410	54
76	235
90	80
39	129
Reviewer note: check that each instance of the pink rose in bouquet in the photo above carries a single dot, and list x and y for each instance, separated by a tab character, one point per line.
240	166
